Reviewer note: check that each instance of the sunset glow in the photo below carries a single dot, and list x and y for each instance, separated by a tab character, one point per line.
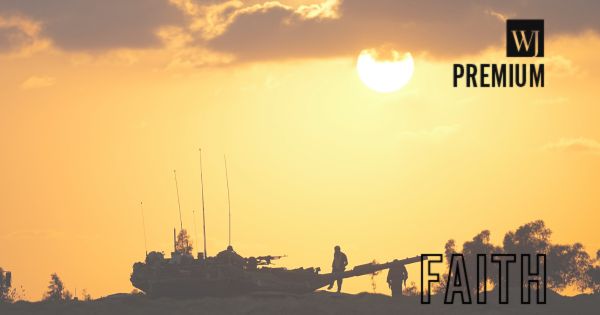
339	121
384	75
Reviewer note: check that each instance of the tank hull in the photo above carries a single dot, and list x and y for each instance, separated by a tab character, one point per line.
198	281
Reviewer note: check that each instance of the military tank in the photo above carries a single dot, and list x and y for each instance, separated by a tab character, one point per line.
229	274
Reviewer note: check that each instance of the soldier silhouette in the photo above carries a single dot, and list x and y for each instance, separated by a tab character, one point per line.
340	261
397	276
229	256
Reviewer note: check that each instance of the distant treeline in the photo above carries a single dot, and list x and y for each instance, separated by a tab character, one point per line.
568	265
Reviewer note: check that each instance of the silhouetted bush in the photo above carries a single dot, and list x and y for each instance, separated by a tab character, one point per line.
183	243
56	290
412	290
86	295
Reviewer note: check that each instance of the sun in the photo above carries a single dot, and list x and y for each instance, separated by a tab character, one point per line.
384	70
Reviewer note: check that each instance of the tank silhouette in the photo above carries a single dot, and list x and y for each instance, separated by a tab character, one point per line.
185	276
228	273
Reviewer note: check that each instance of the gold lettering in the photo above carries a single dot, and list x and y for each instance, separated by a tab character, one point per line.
523	42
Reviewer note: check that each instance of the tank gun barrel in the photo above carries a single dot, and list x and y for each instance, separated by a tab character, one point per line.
365	269
369	268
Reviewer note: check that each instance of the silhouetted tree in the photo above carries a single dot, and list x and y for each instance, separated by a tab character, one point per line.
480	244
449	249
67	296
56	290
183	243
568	265
530	238
594	275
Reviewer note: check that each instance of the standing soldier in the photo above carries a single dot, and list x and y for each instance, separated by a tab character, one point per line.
5	284
230	257
340	261
397	276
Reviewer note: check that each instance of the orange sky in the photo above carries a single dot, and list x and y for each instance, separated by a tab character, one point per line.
315	157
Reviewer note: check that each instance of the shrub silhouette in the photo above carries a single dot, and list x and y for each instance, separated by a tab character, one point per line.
183	243
56	290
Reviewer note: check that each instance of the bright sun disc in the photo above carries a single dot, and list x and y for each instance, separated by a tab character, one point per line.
384	71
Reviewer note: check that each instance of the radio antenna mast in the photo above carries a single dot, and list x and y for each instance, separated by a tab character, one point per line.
178	202
195	229
228	198
144	226
203	211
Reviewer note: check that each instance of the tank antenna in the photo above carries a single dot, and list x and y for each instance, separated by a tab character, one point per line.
174	241
195	229
228	198
144	226
178	202
203	211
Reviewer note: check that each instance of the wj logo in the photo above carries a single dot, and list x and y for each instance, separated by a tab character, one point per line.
525	38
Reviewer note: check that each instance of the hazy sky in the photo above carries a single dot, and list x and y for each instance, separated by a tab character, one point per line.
101	100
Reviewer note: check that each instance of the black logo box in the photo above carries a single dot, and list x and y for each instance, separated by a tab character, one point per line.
526	27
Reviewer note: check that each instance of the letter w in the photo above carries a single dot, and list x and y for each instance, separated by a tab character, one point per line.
524	42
